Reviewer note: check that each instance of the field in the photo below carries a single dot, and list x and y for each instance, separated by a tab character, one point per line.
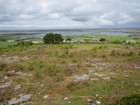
70	73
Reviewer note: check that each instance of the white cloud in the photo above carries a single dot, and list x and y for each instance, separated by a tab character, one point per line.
90	13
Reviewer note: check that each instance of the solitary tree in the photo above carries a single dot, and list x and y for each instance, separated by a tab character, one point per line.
102	39
52	38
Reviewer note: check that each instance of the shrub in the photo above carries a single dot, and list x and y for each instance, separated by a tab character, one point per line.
51	69
131	53
117	42
77	85
113	53
1	39
102	39
2	66
68	39
129	100
104	55
22	43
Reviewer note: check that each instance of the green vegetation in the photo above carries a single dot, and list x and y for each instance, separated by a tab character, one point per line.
129	100
51	69
22	43
53	38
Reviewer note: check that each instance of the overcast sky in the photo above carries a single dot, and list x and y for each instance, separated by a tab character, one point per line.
69	13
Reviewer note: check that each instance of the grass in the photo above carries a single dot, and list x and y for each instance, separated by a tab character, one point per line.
5	44
53	67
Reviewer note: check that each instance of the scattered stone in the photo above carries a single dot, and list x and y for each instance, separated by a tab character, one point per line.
81	77
72	64
13	59
24	74
45	97
98	102
89	101
93	79
42	85
24	58
60	65
7	84
69	102
136	67
66	98
126	76
17	87
29	74
112	73
12	71
97	95
5	77
98	75
82	96
107	78
23	98
135	84
91	71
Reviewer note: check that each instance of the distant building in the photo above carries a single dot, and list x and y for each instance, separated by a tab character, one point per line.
95	40
37	42
77	40
73	41
66	41
10	40
130	41
27	41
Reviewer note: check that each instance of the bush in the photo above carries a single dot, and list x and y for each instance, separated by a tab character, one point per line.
2	66
77	85
131	53
113	53
1	39
51	69
129	100
22	43
68	39
102	39
52	38
117	42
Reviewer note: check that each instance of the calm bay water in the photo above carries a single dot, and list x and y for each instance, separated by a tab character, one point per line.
22	34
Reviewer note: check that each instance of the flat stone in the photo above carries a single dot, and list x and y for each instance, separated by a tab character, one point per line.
98	102
107	78
93	79
66	98
5	77
72	64
7	84
89	101
135	84
97	95
81	77
46	97
98	75
91	71
23	98
42	85
17	87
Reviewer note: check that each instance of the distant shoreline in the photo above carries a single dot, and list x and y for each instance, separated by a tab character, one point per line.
21	34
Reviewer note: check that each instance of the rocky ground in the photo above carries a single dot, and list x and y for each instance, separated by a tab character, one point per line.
60	80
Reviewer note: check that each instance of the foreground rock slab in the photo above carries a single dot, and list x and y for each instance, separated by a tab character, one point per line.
23	98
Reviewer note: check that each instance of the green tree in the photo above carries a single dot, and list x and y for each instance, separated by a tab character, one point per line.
52	38
102	39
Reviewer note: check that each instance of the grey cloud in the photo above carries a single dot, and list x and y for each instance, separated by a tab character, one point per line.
97	12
